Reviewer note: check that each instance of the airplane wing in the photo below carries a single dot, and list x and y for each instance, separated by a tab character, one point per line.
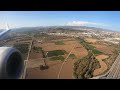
11	61
4	33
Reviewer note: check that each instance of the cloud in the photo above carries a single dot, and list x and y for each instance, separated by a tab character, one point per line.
83	23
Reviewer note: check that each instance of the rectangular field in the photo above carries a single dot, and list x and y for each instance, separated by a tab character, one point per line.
79	51
55	53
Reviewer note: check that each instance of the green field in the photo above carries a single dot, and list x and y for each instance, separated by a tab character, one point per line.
37	49
72	56
65	52
96	51
55	53
90	47
59	43
22	47
57	58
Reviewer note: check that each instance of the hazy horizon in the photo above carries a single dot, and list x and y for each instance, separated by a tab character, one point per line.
100	19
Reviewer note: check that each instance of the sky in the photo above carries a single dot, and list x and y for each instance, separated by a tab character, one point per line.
102	19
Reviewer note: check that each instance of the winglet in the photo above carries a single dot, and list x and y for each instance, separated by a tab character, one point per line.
7	27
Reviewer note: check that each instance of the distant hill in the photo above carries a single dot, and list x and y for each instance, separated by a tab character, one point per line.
23	29
83	28
26	29
86	27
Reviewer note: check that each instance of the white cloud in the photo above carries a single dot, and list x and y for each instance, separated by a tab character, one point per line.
83	23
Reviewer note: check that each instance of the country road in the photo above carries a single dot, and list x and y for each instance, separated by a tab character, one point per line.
58	76
26	61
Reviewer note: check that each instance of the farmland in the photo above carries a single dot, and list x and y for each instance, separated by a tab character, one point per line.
56	51
83	62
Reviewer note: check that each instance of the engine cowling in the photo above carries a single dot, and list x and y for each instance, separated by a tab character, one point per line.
11	63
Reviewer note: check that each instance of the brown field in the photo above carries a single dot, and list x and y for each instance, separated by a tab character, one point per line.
33	63
52	46
67	39
102	64
27	41
91	40
50	73
35	55
79	51
104	48
100	57
54	66
67	70
34	72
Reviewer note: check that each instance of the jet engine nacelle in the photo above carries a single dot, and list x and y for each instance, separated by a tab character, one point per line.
11	63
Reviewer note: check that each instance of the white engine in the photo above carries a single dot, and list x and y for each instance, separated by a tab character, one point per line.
11	63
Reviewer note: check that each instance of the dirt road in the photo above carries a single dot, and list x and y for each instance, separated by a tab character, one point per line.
58	76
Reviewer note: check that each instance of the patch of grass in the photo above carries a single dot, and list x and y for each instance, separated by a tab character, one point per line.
59	43
96	51
65	52
57	58
37	49
55	53
91	47
72	56
22	47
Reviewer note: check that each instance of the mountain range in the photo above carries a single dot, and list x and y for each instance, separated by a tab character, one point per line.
23	29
